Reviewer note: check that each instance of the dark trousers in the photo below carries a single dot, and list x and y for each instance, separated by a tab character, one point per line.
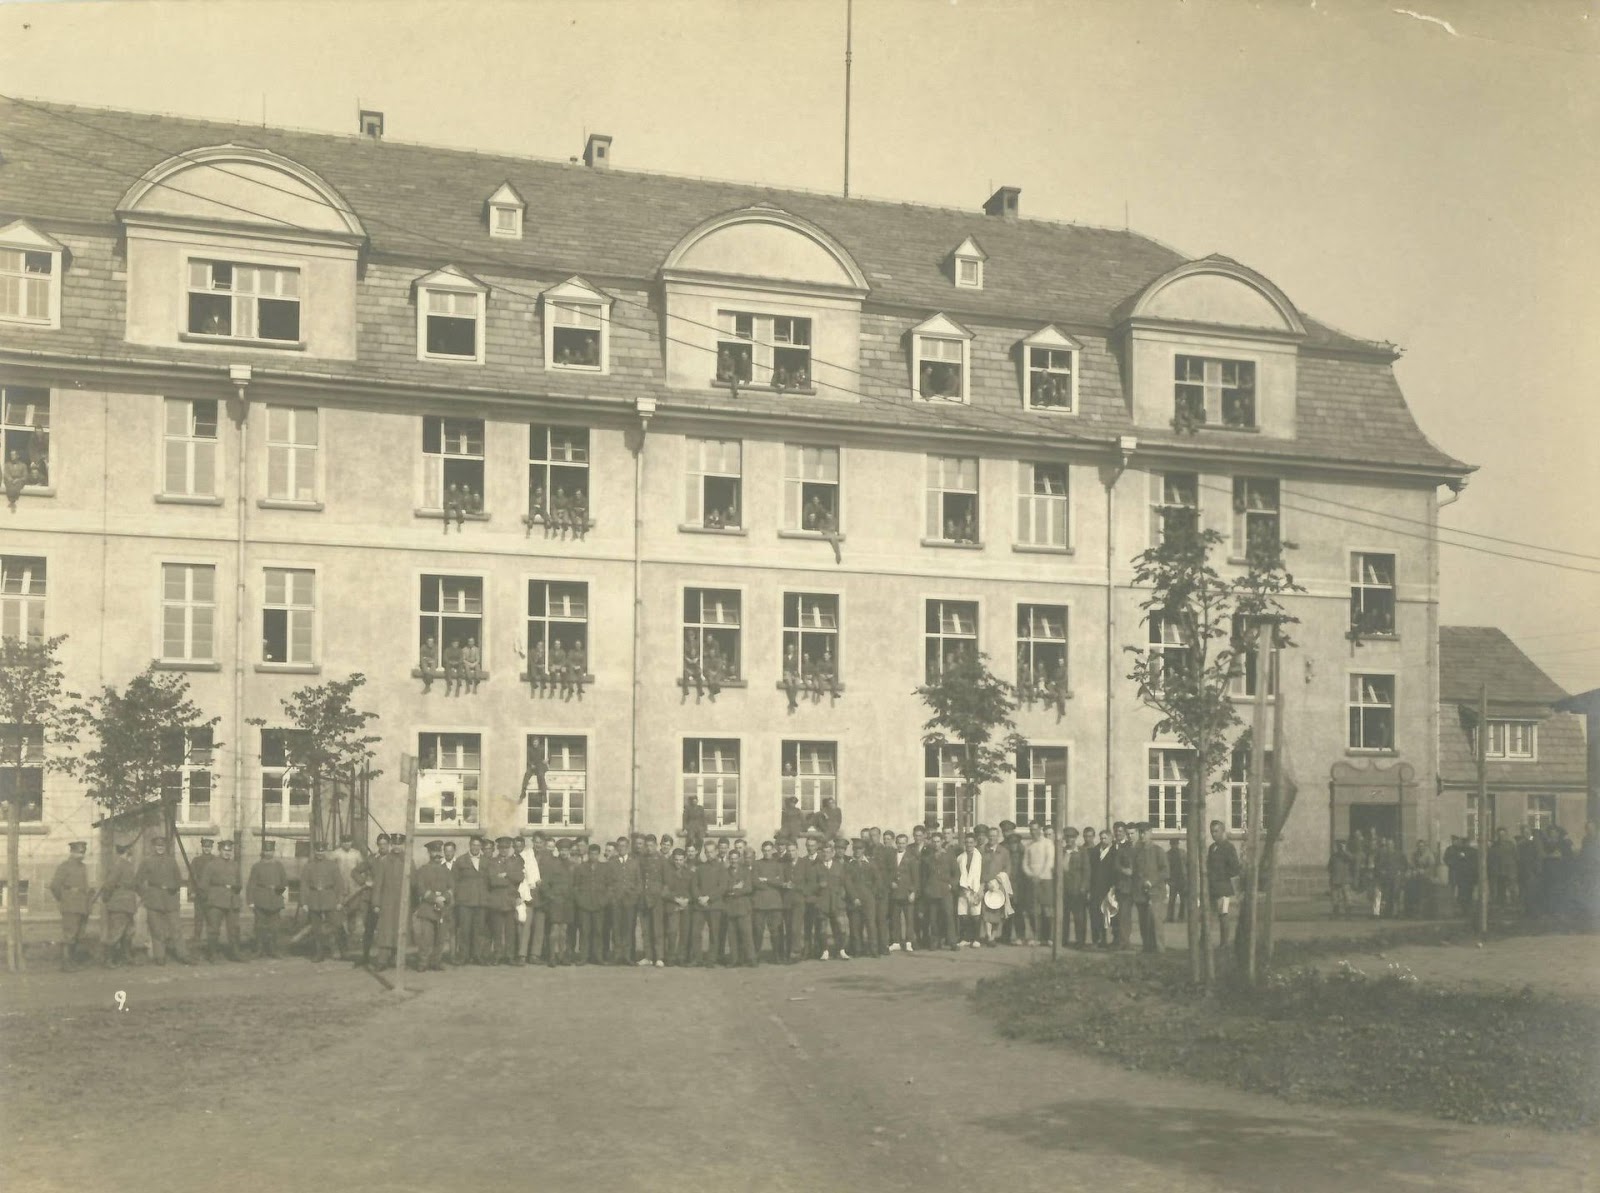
533	948
560	942
864	927
1149	930
164	935
833	930
502	933
767	924
941	921
740	943
675	929
708	919
624	919
655	925
1097	919
321	924
198	933
794	930
369	929
1177	903
591	929
1078	916
471	936
267	923
72	923
218	921
880	926
429	934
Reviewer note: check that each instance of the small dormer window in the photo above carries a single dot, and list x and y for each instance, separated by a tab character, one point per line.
30	276
505	213
967	264
450	316
577	320
940	360
1050	366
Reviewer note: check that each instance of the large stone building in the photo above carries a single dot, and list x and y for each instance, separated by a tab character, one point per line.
283	405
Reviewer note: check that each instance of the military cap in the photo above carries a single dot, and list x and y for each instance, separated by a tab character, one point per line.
224	844
383	837
1142	827
269	846
394	837
594	849
208	841
78	847
1008	824
435	847
502	840
158	840
123	848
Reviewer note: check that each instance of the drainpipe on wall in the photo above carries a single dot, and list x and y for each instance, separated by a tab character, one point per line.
1126	446
645	407
1435	721
240	376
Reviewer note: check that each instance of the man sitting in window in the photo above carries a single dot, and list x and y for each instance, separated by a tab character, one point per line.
16	477
427	664
716	668
538	672
558	511
454	677
577	668
537	514
578	514
455	506
560	670
693	671
791	676
471	662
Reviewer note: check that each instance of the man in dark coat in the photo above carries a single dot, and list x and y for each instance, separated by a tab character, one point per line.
434	885
1102	877
471	894
197	874
1149	886
160	883
1224	874
626	881
1177	881
264	891
388	876
710	889
555	875
322	895
120	894
502	875
1075	886
591	891
69	886
223	884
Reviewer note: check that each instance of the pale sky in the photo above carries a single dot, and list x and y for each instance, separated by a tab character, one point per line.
1425	181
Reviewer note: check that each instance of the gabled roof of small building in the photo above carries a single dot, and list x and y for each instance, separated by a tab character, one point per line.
1470	656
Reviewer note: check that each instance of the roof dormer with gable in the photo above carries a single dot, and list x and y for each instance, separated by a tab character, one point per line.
505	210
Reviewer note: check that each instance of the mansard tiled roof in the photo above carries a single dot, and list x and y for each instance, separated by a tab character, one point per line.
425	204
1470	656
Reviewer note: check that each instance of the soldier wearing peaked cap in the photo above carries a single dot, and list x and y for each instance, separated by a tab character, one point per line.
223	884
432	885
120	893
388	875
160	882
69	886
322	895
265	890
197	896
502	876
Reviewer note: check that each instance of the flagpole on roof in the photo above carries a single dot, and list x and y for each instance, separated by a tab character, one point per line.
849	21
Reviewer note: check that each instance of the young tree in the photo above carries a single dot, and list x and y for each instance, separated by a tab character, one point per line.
36	712
971	705
329	744
1186	671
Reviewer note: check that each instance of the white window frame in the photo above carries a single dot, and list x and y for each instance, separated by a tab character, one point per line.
542	629
1172	492
806	468
941	786
762	337
275	282
505	229
1214	387
577	444
713	788
1239	785
31	765
1029	640
435	464
946	478
801	628
575	304
449	775
298	615
1031	791
1541	811
1359	698
1163	636
942	350
700	625
294	454
563	779
24	595
191	445
26	241
1504	745
190	607
290	781
934	641
457	613
1365	579
195	743
1169	771
455	289
966	265
1246	489
1242	684
1053	343
815	771
1044	519
711	460
21	407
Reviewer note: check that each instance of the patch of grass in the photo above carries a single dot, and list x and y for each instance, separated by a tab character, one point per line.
1372	1038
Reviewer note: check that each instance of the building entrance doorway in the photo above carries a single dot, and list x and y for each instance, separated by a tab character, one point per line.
1377	820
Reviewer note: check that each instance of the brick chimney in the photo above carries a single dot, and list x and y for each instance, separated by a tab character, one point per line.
1003	202
372	125
597	153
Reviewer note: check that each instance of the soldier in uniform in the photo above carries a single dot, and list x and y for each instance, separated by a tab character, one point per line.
736	910
653	869
1149	866
222	886
826	885
69	886
591	893
160	884
939	892
197	889
322	895
710	887
766	904
388	875
1075	886
121	897
348	922
677	893
433	889
264	891
471	892
358	904
904	879
502	875
555	875
694	823
627	886
861	894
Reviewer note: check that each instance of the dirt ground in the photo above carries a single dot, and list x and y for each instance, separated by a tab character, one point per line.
1567	966
842	1076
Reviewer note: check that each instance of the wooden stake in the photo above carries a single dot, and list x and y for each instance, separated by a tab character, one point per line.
408	772
1483	810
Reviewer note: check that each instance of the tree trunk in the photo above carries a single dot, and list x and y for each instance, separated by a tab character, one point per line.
1200	961
14	961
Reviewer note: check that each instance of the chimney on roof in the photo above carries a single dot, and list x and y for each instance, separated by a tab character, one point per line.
372	124
597	152
1003	202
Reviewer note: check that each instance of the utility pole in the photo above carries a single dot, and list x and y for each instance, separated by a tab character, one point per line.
849	23
408	772
1483	810
1254	800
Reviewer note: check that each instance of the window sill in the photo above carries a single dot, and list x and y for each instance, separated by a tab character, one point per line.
1032	409
1037	549
441	516
820	536
731	531
281	830
445	830
1220	426
591	370
439	675
808	391
436	359
953	544
801	689
185	499
532	520
1364	638
33	829
950	400
565	832
289	668
185	665
200	830
1352	752
719	685
37	491
1238	561
196	337
1044	698
587	680
285	503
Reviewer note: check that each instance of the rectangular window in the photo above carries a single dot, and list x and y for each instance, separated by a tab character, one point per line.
1041	504
576	335
950	632
1541	812
811	636
22	771
941	785
969	273
1472	817
558	476
22	594
713	483
1511	740
1168	788
770	350
1215	391
187	780
711	775
941	369
451	320
952	499
1041	784
292	453
27	281
22	895
452	463
1371	712
244	302
1168	649
811	773
1041	650
449	774
558	626
1371	594
1242	684
285	785
288	610
451	618
711	631
1255	515
506	222
1049	378
810	488
188	612
191	447
1174	504
1239	785
566	780
25	432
